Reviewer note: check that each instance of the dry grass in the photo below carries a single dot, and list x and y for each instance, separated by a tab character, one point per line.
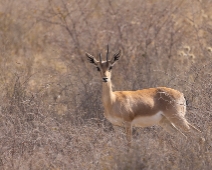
51	116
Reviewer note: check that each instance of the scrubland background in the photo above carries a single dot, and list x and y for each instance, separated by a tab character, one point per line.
51	115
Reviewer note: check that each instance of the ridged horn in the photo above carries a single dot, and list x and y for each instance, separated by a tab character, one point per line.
100	57
107	54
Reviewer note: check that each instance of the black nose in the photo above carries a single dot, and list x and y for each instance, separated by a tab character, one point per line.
105	79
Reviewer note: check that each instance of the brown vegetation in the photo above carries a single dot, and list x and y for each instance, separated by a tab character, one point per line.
51	114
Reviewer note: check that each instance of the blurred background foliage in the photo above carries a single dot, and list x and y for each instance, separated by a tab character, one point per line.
50	99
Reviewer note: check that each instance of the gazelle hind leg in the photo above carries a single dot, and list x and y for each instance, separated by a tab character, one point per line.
178	120
169	127
194	128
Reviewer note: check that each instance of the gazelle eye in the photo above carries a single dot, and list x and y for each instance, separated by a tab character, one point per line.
110	68
98	69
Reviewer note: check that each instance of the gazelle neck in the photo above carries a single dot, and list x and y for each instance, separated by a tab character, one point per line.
107	94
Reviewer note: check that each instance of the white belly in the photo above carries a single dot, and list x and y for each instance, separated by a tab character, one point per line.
145	121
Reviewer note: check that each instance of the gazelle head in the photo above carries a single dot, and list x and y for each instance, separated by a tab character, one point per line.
104	67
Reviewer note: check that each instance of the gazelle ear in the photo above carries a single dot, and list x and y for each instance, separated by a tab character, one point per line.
116	57
91	58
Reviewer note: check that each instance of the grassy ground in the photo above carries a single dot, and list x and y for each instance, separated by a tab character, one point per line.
51	114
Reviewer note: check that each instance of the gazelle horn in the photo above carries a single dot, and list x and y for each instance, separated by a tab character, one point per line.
100	57
107	54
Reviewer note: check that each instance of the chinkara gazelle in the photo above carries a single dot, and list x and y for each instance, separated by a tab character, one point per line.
161	106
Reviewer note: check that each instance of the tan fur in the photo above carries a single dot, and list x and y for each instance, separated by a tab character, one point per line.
154	106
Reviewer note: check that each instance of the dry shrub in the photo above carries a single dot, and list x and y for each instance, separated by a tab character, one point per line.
51	115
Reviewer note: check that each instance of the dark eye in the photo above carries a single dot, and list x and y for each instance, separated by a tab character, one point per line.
98	69
110	68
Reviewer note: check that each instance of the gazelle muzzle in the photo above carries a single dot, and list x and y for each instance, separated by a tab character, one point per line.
105	79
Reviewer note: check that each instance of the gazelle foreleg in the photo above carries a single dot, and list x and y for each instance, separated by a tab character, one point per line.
128	128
